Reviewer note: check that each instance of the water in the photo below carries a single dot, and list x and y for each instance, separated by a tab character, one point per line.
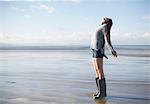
67	76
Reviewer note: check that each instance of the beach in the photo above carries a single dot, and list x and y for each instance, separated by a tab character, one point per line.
67	77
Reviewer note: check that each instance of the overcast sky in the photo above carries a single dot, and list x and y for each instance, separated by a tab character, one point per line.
57	22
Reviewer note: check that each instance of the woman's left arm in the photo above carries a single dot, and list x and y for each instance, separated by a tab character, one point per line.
108	39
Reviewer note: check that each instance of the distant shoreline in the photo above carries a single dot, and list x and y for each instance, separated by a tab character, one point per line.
73	47
45	48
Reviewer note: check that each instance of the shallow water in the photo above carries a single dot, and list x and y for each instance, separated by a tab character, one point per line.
67	77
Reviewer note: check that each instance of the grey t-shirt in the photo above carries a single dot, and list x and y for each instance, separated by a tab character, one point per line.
98	39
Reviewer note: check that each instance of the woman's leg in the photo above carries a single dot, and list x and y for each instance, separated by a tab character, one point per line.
96	77
101	82
95	67
99	67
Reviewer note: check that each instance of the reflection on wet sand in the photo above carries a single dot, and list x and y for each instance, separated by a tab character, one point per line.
101	101
122	100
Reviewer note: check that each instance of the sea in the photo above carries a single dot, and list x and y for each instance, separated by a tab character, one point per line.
65	75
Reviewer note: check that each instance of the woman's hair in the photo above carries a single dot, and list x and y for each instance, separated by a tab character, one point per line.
107	21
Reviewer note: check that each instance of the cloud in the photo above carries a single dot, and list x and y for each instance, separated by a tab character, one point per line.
130	38
21	11
27	16
146	35
14	8
146	17
7	0
17	9
43	7
54	37
49	9
73	1
78	37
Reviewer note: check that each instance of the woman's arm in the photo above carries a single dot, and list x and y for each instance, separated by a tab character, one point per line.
108	40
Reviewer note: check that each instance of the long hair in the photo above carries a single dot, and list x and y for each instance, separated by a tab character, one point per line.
107	21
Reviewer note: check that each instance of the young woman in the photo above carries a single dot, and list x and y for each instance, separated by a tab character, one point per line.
97	45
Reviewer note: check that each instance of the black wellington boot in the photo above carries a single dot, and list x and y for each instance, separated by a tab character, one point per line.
97	85
102	88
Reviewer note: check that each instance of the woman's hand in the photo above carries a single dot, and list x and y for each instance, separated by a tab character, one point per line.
114	53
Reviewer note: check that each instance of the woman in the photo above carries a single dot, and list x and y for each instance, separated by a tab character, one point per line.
97	45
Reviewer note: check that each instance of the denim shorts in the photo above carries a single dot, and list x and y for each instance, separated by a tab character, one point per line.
97	54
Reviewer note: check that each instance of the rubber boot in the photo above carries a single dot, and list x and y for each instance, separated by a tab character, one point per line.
97	85
102	89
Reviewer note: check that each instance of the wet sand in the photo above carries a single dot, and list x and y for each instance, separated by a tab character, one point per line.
37	79
53	88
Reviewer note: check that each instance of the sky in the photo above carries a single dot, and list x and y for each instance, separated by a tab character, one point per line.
72	22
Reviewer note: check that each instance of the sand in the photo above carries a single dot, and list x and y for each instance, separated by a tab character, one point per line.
68	78
50	88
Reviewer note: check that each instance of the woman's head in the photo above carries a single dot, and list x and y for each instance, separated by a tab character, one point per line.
107	21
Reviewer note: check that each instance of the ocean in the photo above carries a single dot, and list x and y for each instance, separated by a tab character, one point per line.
64	75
